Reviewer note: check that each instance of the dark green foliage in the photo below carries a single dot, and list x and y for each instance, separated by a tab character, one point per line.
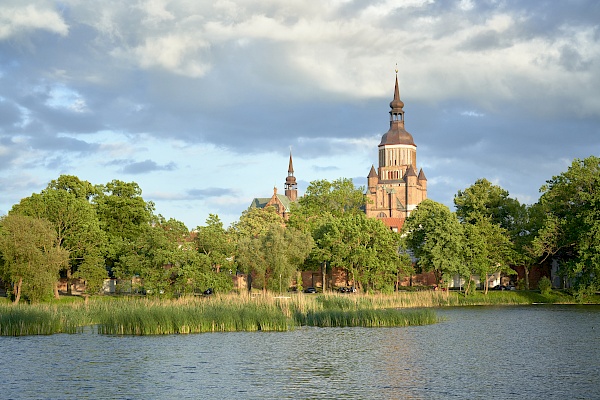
436	238
65	204
571	230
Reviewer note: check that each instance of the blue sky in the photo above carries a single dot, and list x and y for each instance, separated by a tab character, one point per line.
199	102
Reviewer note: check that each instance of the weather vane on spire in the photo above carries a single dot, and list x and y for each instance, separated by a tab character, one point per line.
396	68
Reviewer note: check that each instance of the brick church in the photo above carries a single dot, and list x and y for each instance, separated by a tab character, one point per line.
281	202
395	188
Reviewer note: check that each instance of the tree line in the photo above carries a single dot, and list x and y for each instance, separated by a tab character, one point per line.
76	229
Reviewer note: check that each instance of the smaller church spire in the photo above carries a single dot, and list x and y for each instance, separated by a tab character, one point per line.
291	165
291	187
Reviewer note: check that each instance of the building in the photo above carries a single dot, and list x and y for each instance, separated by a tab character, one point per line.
395	188
281	202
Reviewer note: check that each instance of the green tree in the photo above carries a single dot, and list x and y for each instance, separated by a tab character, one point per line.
124	216
323	198
435	237
165	262
571	230
74	185
487	249
485	200
365	248
256	221
528	222
322	201
487	213
215	242
268	252
65	204
31	256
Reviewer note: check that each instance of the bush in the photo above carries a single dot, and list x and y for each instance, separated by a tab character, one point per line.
545	285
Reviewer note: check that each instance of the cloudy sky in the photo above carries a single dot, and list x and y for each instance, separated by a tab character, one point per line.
199	101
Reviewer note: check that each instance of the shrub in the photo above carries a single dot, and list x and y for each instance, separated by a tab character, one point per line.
545	285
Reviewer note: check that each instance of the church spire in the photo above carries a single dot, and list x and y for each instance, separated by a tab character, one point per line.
291	187
396	105
291	166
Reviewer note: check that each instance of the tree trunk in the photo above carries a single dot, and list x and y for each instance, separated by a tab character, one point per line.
526	269
324	275
69	290
56	294
17	290
487	284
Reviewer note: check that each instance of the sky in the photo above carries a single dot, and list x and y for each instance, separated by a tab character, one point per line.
200	101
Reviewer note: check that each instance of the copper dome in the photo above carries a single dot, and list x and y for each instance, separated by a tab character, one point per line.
397	135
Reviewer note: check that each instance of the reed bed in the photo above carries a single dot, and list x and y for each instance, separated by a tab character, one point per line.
245	312
368	318
151	318
26	320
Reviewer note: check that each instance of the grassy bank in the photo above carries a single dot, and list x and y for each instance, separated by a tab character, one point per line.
242	312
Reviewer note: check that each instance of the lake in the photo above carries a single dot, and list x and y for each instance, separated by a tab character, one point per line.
535	352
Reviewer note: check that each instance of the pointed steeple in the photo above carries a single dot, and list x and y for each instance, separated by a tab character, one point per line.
397	113
291	166
372	173
397	134
422	175
291	187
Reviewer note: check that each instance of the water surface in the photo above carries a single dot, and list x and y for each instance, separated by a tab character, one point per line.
536	352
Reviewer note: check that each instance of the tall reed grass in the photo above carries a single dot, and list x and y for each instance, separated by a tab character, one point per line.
243	312
25	320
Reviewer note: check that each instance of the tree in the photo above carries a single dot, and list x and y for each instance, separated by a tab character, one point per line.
256	221
65	204
487	213
528	222
124	216
215	242
31	256
267	251
364	247
487	249
323	198
74	185
165	260
571	230
435	237
483	199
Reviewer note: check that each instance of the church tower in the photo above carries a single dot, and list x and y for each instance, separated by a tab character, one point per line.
395	189
281	203
291	187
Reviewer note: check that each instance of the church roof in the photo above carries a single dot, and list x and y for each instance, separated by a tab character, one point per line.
393	223
422	175
397	134
372	173
261	202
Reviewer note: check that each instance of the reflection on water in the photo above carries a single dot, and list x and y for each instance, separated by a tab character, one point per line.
477	352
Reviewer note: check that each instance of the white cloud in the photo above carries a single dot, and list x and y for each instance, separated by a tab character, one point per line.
16	19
